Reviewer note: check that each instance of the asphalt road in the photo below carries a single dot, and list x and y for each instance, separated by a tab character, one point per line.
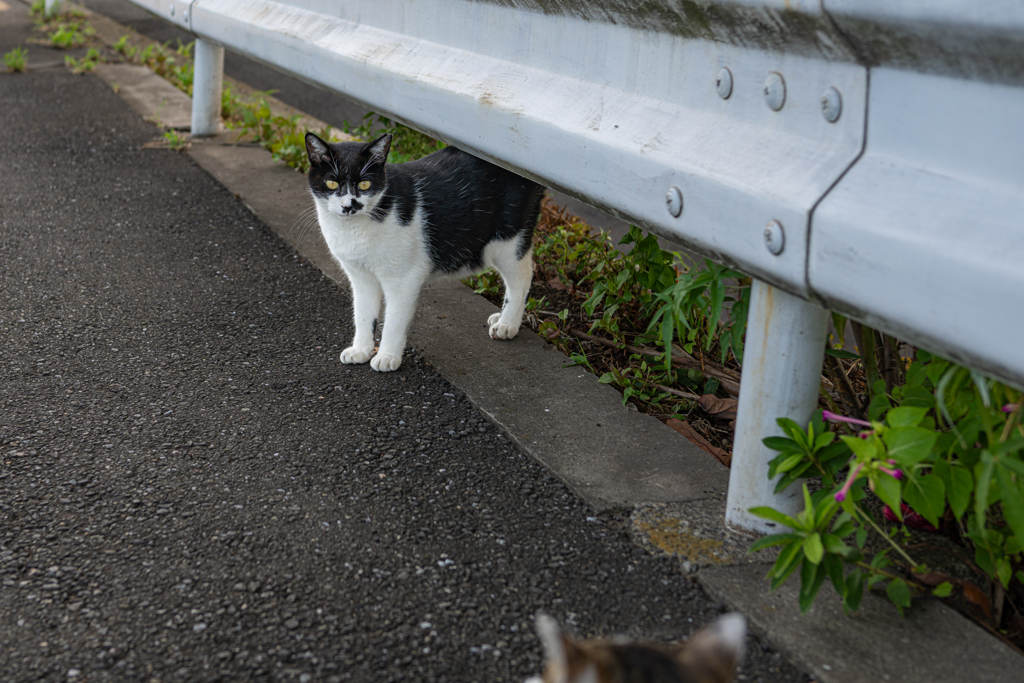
192	487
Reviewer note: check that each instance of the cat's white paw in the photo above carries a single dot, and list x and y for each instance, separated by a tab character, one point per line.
503	331
493	318
353	355
385	363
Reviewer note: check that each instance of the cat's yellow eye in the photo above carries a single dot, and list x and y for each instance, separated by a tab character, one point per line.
331	185
364	185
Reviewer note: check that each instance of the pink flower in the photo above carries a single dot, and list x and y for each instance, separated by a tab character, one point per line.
1009	407
841	493
829	415
895	474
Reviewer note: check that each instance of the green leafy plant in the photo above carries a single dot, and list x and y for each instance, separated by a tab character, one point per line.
175	141
122	47
407	144
625	285
641	382
16	60
86	63
691	310
161	59
280	135
949	443
69	35
487	282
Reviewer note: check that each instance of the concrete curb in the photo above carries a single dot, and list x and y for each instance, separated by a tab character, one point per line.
616	458
932	644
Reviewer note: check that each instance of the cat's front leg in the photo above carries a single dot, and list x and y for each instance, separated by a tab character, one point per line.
366	296
400	299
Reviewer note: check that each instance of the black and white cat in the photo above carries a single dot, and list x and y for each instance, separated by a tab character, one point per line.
394	227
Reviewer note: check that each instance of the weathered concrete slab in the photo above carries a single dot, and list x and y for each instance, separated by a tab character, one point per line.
153	98
933	644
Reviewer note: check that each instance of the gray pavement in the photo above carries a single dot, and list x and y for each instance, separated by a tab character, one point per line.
193	488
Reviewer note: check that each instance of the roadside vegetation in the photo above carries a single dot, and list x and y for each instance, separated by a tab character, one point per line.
16	60
912	474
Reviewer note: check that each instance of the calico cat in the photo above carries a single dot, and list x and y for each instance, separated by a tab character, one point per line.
710	656
393	227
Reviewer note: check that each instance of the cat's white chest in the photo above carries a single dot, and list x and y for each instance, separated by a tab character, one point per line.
386	248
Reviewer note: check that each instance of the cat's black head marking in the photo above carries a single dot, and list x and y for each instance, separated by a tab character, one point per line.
348	176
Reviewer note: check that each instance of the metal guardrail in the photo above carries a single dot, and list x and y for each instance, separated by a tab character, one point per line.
865	156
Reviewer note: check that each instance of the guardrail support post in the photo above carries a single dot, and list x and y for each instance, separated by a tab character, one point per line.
785	347
51	7
206	88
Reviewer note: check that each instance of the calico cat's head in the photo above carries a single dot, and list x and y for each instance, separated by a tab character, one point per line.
347	177
710	656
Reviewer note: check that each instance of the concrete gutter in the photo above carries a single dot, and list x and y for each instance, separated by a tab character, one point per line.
616	458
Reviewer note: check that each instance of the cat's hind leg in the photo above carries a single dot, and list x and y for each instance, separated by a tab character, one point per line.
517	274
366	298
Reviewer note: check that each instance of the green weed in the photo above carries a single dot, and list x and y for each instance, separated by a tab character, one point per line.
86	63
122	47
16	60
179	70
407	144
280	135
70	35
176	142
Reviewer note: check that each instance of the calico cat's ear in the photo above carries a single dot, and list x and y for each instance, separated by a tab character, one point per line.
319	151
377	151
563	658
714	652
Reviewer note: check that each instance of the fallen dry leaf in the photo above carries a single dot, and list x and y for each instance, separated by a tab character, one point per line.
933	579
722	408
684	428
978	597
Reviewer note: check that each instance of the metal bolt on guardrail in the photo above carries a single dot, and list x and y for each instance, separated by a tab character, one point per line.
775	91
723	84
674	200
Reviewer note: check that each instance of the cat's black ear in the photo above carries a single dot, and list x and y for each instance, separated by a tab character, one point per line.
319	151
377	151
